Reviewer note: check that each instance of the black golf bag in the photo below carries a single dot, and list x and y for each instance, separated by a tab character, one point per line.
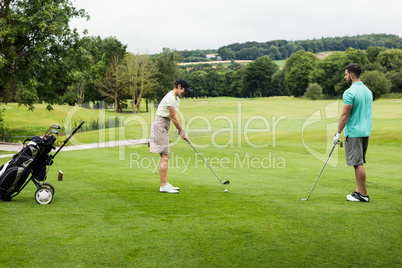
31	160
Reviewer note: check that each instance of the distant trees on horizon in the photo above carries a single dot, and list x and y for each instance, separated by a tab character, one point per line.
282	49
382	73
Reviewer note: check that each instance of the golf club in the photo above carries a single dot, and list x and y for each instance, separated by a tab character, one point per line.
52	126
53	131
64	143
305	199
226	182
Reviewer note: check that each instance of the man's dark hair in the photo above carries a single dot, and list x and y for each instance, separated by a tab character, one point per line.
355	69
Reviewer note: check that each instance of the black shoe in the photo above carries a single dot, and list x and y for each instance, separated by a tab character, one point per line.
357	197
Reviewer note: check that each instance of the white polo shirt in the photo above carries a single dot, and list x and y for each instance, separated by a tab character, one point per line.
170	100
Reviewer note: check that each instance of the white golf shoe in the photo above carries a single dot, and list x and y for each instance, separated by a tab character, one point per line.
168	189
175	188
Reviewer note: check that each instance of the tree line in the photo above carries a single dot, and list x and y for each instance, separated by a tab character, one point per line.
282	49
43	60
382	72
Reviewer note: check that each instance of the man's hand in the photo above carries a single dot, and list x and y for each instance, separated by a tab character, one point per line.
337	138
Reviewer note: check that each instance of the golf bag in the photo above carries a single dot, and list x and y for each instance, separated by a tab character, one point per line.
32	159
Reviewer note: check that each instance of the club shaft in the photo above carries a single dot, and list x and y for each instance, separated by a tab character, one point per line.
204	161
321	171
65	142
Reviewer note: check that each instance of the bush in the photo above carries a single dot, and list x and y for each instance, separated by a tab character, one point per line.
396	79
314	91
377	82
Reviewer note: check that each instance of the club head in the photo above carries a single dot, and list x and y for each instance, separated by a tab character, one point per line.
54	131
304	199
55	126
226	182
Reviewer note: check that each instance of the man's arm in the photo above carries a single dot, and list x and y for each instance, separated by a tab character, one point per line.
343	119
175	120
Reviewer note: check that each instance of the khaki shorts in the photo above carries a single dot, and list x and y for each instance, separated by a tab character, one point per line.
355	150
159	139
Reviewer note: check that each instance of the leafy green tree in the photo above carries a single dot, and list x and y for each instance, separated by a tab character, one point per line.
291	48
36	46
103	53
147	81
396	79
274	53
284	52
111	85
258	77
377	82
222	83
226	54
372	53
237	81
166	72
93	45
227	90
80	72
313	91
297	70
391	59
198	83
352	55
278	85
251	53
213	83
328	73
134	75
129	70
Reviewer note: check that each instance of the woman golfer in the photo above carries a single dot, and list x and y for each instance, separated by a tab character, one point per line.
159	139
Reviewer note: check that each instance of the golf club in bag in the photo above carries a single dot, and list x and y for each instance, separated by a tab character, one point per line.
34	159
226	182
305	199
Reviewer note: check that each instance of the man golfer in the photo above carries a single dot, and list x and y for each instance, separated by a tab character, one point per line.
159	139
356	119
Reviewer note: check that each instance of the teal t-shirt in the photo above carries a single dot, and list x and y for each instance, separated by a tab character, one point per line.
361	116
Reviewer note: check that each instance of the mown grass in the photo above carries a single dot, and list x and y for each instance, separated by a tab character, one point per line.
107	211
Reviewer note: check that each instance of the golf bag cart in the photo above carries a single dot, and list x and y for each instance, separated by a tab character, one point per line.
33	160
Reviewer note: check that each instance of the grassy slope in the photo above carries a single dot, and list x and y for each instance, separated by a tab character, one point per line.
107	211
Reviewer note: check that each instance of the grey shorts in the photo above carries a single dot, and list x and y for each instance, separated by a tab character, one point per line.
159	139
355	150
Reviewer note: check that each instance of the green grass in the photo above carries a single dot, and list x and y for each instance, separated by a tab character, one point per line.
107	211
280	63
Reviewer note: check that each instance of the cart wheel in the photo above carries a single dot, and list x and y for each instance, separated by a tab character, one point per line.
43	195
48	185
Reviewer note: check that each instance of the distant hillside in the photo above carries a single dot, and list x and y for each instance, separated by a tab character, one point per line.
282	49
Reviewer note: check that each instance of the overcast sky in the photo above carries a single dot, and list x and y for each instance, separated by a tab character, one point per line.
150	25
